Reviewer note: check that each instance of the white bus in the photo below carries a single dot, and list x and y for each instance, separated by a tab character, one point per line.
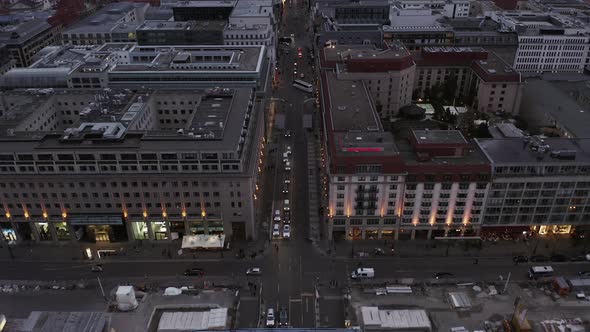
536	272
304	86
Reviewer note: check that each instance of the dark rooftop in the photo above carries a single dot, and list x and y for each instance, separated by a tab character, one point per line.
439	137
514	151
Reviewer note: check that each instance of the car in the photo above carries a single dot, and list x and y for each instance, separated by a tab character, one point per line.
287	181
302	75
299	49
520	259
286	206
286	231
441	275
283	318
270	317
584	274
288	150
285	160
277	216
295	64
378	251
287	166
292	36
578	258
275	230
193	271
538	258
300	55
558	258
285	189
288	133
287	217
294	73
253	271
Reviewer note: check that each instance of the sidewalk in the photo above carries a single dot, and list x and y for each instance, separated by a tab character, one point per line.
67	252
438	248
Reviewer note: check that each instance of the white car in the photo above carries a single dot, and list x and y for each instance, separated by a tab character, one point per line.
285	160
277	216
270	317
287	231
288	150
253	271
287	166
275	230
287	181
286	206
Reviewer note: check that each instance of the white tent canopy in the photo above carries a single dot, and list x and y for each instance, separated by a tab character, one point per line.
213	241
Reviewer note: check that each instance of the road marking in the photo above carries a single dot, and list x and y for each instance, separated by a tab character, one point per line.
296	300
307	294
66	268
306	305
278	288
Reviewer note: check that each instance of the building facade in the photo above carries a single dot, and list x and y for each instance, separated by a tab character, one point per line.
24	39
180	33
538	183
112	166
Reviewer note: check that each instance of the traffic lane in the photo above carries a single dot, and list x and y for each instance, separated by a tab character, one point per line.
331	311
31	270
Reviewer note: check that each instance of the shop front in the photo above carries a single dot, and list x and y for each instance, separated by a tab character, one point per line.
24	231
160	230
62	231
388	234
139	230
8	233
215	226
196	227
355	233
553	229
98	228
43	231
177	229
371	234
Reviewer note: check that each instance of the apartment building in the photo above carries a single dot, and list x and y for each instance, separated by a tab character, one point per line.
130	66
388	73
25	38
497	87
538	183
547	42
116	22
113	165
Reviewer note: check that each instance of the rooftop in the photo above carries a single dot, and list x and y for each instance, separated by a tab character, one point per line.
106	18
206	3
181	25
514	151
351	106
439	137
66	321
392	320
253	8
543	100
20	32
495	69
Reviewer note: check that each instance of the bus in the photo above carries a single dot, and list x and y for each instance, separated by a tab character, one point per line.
304	86
536	272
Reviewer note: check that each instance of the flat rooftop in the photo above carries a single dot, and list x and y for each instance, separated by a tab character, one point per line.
206	3
340	52
193	58
20	32
495	69
351	107
352	143
514	151
439	137
105	19
183	25
252	8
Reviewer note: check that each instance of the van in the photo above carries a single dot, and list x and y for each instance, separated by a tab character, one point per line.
363	273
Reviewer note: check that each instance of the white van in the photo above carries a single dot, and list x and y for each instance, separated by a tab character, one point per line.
363	273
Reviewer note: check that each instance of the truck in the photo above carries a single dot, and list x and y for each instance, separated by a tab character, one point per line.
363	273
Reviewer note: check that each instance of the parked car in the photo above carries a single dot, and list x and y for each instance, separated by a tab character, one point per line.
253	271
194	272
270	317
559	258
441	275
275	230
520	259
277	216
539	258
584	274
283	319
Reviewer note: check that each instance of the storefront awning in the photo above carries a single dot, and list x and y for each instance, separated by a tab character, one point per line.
202	241
96	220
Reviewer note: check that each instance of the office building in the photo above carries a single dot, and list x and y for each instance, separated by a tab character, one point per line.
388	73
448	8
180	33
116	22
110	165
25	38
354	12
538	183
127	65
547	42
